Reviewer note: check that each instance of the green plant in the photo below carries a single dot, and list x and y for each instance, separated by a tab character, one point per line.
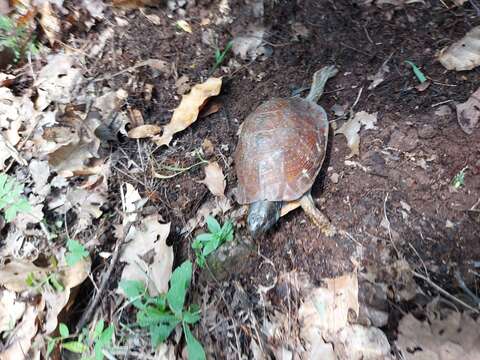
205	244
75	253
16	38
418	73
459	179
100	339
11	200
161	314
220	55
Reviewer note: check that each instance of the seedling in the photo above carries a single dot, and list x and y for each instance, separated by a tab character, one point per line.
99	340
459	179
161	314
205	244
11	200
16	38
220	56
418	73
75	253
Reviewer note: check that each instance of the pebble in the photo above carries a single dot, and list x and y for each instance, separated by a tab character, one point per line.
427	132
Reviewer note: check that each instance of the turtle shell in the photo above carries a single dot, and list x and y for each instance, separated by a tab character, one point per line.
280	151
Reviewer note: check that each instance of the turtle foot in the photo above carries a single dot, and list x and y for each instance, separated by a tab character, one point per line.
317	216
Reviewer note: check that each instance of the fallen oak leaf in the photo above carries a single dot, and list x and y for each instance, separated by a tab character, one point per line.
468	113
144	131
187	112
214	179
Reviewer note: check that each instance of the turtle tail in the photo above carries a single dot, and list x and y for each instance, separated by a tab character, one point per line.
320	78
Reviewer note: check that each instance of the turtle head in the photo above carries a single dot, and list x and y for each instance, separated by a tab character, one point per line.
262	215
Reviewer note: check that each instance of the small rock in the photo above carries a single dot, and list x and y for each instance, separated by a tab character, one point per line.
335	177
427	132
404	142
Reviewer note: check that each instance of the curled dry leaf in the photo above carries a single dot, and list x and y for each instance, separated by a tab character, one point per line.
14	274
249	44
214	179
468	113
149	236
144	131
187	112
352	127
463	54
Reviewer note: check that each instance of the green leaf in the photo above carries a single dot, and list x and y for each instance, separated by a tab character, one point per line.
192	315
76	252
204	237
194	348
179	283
134	290
160	332
51	346
98	329
211	246
75	346
151	316
63	329
213	225
55	283
98	350
107	335
418	73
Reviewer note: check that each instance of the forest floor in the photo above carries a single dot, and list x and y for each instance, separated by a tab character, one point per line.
407	203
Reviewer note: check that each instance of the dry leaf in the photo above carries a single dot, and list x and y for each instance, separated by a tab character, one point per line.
456	336
49	22
14	274
249	44
468	113
352	127
7	151
187	112
132	203
184	25
20	340
463	54
11	310
357	342
57	81
214	179
149	237
379	77
327	308
144	131
213	207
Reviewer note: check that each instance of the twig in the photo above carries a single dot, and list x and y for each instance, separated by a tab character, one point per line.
388	225
465	288
93	305
444	292
355	49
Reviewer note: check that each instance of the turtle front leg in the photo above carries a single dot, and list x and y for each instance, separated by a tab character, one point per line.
317	216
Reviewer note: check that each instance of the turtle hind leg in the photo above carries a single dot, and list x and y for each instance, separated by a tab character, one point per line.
317	216
320	78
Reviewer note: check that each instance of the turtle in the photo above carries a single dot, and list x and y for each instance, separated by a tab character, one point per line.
280	151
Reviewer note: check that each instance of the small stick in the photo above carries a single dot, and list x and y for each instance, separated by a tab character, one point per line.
444	292
465	288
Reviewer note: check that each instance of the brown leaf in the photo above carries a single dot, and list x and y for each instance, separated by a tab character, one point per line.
452	337
144	131
468	113
14	274
187	112
148	237
463	54
214	179
49	22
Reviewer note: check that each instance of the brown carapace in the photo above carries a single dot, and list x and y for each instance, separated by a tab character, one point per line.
281	150
279	154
